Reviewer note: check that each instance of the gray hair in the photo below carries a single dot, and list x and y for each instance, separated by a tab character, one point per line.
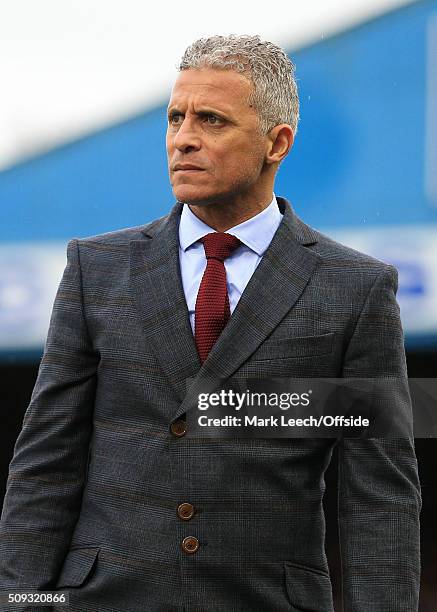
274	94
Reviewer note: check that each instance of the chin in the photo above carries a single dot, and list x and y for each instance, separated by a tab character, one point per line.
190	195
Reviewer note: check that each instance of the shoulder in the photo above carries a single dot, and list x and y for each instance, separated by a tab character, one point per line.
341	266
336	253
344	266
122	236
333	256
112	244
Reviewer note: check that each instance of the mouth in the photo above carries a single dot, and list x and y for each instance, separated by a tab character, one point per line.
187	168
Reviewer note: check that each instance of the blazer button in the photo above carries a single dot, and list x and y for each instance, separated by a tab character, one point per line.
178	428
190	545
185	511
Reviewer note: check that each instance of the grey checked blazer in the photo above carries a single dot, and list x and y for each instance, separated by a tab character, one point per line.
97	476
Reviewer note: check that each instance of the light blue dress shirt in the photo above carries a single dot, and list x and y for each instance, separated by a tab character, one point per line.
255	234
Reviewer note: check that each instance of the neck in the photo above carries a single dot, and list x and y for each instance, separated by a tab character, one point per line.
224	215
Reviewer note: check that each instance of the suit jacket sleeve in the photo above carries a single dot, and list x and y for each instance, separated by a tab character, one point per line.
379	491
48	469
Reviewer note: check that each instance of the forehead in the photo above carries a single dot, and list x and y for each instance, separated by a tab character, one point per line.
224	88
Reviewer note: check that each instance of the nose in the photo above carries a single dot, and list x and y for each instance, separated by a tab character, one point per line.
186	138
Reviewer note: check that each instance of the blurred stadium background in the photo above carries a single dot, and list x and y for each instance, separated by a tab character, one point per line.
77	163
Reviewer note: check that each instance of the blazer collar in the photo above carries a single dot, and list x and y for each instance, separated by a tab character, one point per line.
300	231
156	286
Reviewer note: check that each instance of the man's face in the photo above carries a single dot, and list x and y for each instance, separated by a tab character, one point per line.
214	146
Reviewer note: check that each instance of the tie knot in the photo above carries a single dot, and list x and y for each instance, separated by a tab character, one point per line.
219	245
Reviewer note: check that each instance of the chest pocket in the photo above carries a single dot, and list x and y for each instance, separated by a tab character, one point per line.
286	348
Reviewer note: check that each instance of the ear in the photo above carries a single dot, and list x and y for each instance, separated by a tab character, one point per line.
280	140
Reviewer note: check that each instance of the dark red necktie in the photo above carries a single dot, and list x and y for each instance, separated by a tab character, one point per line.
212	303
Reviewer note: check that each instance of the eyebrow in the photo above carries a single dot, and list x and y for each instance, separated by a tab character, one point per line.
202	111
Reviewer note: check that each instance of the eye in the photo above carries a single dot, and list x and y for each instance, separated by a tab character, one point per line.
175	118
213	119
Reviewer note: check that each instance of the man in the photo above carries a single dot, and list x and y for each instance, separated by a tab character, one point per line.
109	500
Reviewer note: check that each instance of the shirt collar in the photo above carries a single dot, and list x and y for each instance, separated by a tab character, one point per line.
256	233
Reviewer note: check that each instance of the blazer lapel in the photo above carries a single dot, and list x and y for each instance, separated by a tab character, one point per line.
156	288
274	288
